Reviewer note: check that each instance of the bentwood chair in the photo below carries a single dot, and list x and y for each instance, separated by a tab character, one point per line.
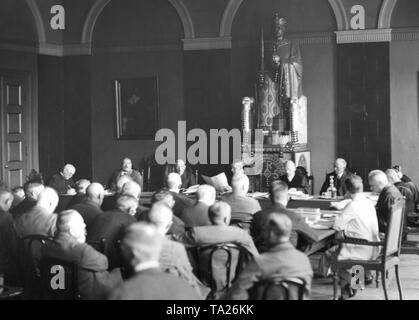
219	264
279	289
389	257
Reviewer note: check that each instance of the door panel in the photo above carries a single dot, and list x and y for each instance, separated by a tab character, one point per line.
364	106
15	109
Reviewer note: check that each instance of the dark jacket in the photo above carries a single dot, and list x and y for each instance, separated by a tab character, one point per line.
299	182
8	243
36	221
110	226
88	210
26	205
299	226
196	216
154	284
76	199
94	281
188	179
338	183
60	184
387	198
181	202
135	175
282	260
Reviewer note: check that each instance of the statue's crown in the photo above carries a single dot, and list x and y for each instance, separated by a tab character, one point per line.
278	21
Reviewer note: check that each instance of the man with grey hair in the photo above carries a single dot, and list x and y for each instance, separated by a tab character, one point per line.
40	219
339	175
94	281
110	226
242	206
141	247
197	215
406	191
62	181
388	195
32	191
125	170
173	257
281	260
89	208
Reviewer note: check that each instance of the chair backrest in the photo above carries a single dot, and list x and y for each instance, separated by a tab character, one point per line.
394	230
219	264
98	245
241	219
58	279
281	289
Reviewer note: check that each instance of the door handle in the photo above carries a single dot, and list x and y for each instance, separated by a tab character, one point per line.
6	166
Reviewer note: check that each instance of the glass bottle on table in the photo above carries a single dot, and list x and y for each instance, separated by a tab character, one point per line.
329	192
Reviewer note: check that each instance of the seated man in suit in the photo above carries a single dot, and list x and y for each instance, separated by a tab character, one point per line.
126	170
8	240
405	190
109	203
281	260
197	215
133	189
141	248
294	180
41	219
301	232
62	181
94	281
32	190
89	208
401	175
219	232
174	183
388	195
358	220
81	187
242	206
173	257
339	176
188	178
110	225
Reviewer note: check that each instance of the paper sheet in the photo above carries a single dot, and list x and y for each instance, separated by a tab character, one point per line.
219	182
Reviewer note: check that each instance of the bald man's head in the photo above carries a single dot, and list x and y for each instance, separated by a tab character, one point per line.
70	222
174	181
127	204
48	199
81	185
132	189
279	192
161	216
220	213
378	180
393	176
121	181
95	193
141	243
240	185
6	200
340	165
278	229
206	194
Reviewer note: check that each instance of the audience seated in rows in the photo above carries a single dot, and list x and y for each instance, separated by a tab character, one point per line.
281	260
293	179
40	219
32	190
62	181
279	197
89	208
94	281
358	220
388	194
110	225
141	247
242	206
173	257
197	215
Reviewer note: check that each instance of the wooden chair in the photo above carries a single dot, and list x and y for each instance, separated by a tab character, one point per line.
242	220
224	261
280	289
389	257
59	279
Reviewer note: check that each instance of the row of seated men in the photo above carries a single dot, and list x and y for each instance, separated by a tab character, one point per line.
190	224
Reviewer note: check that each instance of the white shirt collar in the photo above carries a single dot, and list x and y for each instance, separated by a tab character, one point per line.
146	265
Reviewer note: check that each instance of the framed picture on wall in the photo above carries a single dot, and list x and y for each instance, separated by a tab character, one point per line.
137	108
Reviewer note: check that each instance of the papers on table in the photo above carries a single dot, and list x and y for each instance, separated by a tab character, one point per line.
259	195
219	182
341	204
191	190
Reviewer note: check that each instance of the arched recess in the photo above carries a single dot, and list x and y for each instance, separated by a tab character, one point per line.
39	22
340	14
234	5
99	5
386	12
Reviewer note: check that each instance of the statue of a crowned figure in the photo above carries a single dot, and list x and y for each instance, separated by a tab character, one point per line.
282	107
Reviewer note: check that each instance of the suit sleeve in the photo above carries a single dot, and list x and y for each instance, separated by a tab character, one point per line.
325	185
246	280
93	260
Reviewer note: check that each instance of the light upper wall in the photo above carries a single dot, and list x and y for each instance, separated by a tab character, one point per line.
405	14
